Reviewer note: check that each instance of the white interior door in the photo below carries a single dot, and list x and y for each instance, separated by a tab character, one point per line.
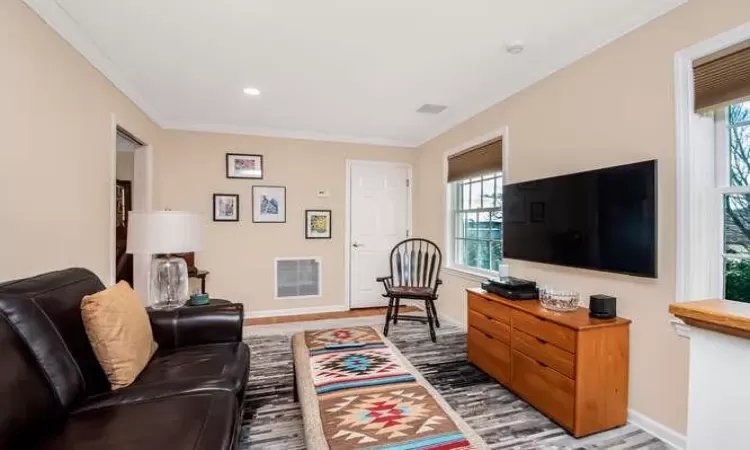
379	219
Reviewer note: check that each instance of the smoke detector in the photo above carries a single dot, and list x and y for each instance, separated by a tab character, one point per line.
428	108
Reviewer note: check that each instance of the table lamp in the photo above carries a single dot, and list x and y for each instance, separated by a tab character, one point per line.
164	233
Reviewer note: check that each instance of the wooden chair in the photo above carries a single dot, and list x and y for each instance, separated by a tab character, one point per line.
415	269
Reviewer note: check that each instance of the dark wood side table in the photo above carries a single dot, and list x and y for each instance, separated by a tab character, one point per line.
201	275
211	302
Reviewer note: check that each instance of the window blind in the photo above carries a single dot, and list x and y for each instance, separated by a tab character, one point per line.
722	78
477	161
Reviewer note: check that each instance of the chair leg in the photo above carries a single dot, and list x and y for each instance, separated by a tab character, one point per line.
388	316
395	311
434	312
428	310
295	394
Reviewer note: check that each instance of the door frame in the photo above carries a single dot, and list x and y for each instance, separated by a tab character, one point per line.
348	220
142	196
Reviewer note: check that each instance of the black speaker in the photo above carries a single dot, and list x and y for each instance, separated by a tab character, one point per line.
603	306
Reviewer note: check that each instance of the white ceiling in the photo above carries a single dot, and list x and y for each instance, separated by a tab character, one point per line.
348	70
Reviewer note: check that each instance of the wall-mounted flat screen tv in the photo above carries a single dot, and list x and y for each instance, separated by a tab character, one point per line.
601	220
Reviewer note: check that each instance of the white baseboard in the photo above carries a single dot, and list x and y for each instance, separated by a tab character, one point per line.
659	430
297	311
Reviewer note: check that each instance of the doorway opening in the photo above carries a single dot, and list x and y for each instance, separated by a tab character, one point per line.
125	147
131	175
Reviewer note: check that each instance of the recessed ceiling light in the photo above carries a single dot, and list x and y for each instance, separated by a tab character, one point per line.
251	91
514	48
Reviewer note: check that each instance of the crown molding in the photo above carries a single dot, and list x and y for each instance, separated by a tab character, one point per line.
59	20
494	100
290	134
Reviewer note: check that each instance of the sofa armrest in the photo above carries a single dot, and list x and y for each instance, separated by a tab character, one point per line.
197	325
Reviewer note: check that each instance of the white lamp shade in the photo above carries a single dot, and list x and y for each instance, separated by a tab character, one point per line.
163	232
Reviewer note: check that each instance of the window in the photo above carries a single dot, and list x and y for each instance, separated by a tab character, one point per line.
478	221
733	191
712	91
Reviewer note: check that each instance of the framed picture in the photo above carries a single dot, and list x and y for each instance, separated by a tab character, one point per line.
226	208
269	204
244	166
318	224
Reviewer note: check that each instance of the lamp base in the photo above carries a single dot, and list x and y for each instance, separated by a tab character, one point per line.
167	307
169	282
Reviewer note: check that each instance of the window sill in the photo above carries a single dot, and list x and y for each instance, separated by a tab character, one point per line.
469	274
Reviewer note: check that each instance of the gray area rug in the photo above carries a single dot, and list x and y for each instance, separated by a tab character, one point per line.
274	421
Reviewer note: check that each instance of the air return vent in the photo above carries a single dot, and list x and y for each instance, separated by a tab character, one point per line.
431	109
298	277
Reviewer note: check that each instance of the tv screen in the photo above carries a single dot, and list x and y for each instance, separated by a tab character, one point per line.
602	220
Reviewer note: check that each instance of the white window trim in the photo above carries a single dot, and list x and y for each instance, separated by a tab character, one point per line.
470	273
699	263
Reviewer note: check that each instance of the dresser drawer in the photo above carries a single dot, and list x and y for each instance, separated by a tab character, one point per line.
489	308
549	391
489	354
544	352
563	337
487	324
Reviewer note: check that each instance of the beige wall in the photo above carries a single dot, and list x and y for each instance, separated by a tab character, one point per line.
56	163
56	157
125	165
614	106
190	167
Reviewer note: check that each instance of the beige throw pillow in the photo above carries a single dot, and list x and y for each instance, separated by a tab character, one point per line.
119	331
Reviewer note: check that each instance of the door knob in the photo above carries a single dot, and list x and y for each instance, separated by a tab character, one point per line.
357	245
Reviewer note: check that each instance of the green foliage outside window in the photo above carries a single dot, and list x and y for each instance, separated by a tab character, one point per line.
737	280
479	218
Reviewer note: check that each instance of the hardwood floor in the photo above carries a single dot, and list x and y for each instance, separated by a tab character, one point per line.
363	312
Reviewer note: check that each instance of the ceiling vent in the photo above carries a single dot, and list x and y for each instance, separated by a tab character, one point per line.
431	109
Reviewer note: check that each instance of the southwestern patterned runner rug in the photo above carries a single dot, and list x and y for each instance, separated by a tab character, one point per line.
358	392
273	420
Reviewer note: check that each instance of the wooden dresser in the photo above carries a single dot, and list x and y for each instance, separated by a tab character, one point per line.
572	368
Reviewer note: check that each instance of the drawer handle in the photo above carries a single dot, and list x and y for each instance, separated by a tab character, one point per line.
541	341
542	364
488	317
487	335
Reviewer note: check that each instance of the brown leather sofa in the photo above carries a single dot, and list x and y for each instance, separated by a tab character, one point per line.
54	394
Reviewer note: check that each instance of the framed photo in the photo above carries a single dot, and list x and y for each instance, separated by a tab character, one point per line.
269	204
244	166
318	224
226	208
